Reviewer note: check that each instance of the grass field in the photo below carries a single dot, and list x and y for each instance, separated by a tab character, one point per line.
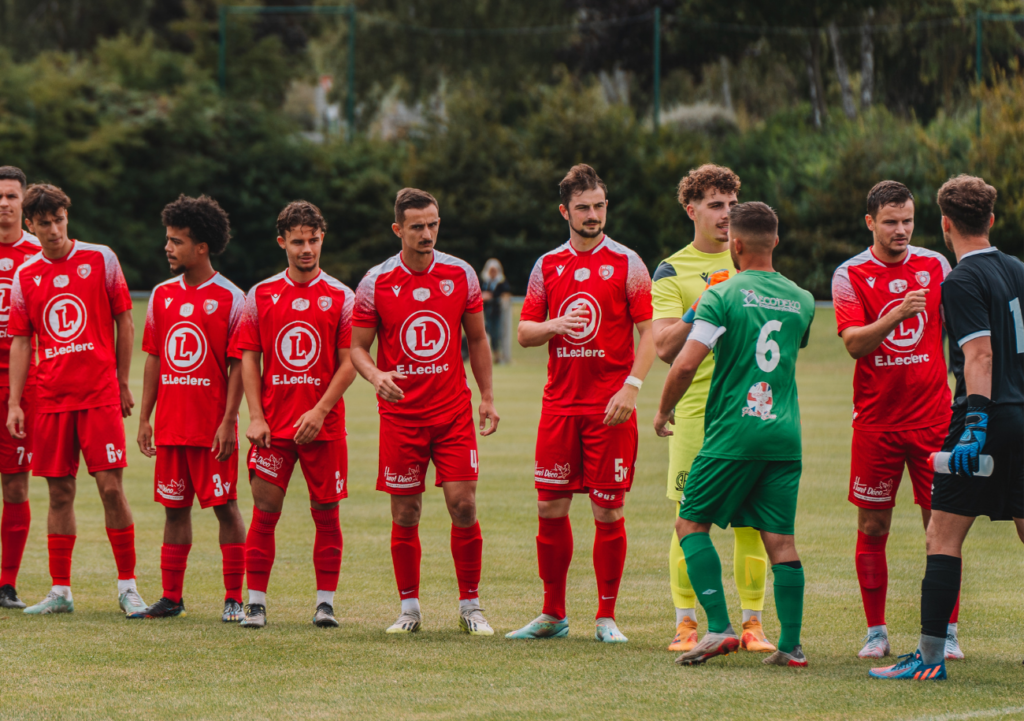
95	664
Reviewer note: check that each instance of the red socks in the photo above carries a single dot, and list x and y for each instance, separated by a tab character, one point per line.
122	541
234	569
554	554
327	549
467	547
260	549
60	548
873	576
956	611
13	534
609	560
173	562
405	554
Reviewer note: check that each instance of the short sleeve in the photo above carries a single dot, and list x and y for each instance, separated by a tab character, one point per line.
712	308
965	305
474	298
849	309
364	310
666	299
19	322
117	287
535	307
810	321
149	343
638	290
235	323
345	322
248	335
706	333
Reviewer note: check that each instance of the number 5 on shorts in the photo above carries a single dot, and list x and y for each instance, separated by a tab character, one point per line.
621	471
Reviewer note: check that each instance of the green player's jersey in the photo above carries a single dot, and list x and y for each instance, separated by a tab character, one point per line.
678	281
761	320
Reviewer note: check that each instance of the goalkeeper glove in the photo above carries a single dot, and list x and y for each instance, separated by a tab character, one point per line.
716	278
964	459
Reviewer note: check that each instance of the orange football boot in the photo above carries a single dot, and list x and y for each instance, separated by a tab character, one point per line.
686	636
753	638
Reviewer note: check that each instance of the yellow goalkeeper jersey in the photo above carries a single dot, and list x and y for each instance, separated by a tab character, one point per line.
679	280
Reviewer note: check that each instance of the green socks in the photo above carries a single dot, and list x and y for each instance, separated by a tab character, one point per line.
789	604
705	571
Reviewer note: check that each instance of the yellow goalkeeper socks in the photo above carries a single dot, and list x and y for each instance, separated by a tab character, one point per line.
750	566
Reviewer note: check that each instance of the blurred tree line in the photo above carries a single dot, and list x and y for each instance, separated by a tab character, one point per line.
117	102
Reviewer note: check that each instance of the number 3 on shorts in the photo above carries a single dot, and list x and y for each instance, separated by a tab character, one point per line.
218	485
766	347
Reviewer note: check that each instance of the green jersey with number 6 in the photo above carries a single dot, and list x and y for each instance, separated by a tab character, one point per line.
756	322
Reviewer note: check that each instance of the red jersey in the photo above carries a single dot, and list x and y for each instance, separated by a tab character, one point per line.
418	317
12	255
70	304
902	384
298	328
586	368
190	330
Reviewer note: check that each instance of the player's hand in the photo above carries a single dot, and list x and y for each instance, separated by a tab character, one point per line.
661	421
127	400
717	277
223	440
572	322
621	406
913	303
309	425
16	421
258	433
386	388
964	459
487	411
145	438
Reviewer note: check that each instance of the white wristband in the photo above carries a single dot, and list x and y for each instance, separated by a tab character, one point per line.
635	382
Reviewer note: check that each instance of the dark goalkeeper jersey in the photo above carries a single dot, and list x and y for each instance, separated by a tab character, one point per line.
982	296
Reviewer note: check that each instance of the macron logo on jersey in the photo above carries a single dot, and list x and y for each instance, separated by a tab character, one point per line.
397	289
871	282
167	303
559	268
275	297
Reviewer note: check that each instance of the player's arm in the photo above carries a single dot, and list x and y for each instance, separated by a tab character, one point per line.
621	405
480	362
150	382
125	341
680	376
383	383
670	335
861	340
19	360
258	432
309	424
978	379
533	333
225	439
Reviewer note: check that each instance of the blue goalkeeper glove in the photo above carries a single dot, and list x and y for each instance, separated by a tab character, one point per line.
964	459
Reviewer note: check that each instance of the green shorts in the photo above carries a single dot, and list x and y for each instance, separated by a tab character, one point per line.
743	493
683	446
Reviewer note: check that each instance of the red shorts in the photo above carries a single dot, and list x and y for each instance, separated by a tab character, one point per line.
406	450
324	465
16	453
877	460
97	432
580	454
184	472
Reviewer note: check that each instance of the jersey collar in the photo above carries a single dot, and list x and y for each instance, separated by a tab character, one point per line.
211	279
66	258
989	249
410	271
604	241
906	258
289	281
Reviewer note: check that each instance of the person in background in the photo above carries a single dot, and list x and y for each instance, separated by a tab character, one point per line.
493	287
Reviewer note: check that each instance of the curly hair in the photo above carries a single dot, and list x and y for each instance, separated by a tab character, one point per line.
298	214
968	202
579	179
44	199
695	185
205	219
887	192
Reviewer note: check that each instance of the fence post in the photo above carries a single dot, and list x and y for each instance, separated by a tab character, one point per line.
977	68
657	66
222	50
350	98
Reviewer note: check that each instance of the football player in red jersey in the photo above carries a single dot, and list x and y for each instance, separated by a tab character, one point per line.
196	388
71	297
887	302
299	323
595	291
416	305
16	246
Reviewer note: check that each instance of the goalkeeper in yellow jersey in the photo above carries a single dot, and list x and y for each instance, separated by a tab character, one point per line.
707	193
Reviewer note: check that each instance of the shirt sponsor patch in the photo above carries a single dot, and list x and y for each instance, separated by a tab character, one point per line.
897	286
300	304
186	310
759	402
61	281
6	263
753	300
581	274
421	294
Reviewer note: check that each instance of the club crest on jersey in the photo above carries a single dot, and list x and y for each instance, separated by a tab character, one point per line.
210	306
61	281
300	304
871	282
325	302
759	402
581	274
605	271
186	310
897	286
275	297
84	270
6	263
923	277
447	287
421	294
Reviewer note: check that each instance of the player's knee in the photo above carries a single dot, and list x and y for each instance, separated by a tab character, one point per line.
15	488
111	494
406	515
178	516
62	493
463	511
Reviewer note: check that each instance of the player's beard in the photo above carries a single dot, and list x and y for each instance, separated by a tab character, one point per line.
735	258
948	240
583	232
